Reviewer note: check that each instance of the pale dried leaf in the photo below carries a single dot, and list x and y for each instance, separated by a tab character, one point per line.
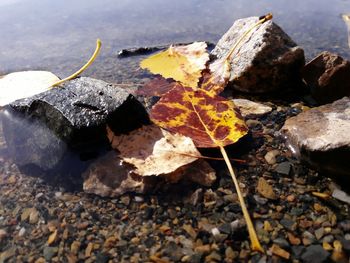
19	85
154	151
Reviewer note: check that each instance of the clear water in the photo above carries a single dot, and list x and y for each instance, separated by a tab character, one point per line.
59	36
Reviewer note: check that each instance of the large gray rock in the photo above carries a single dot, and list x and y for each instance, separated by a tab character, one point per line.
328	76
45	129
266	60
321	137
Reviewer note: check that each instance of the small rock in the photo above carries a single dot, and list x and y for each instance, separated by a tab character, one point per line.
250	108
295	241
276	250
49	252
74	248
196	197
21	232
319	233
321	137
189	229
213	257
281	242
265	189
268	59
328	76
33	216
289	224
283	168
225	228
270	157
125	200
341	195
315	254
3	234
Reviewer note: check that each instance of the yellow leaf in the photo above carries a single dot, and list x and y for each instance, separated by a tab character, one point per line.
181	63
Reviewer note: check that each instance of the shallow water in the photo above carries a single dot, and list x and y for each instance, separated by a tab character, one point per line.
59	36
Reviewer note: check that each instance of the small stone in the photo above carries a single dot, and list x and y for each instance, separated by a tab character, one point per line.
33	216
315	254
290	198
281	242
74	248
3	234
283	168
49	252
213	257
40	260
327	246
341	195
88	250
319	233
21	232
250	108
25	214
295	241
205	249
265	189
276	250
189	230
125	199
270	157
229	254
196	197
289	224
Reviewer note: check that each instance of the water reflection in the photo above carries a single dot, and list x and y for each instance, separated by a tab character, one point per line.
59	35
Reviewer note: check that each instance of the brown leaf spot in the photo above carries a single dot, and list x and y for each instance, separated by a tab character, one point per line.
221	107
221	132
240	127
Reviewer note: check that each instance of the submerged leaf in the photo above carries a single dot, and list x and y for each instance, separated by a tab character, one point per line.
210	120
24	84
154	151
181	63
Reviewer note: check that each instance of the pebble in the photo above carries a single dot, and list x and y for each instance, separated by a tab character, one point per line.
270	157
319	233
276	250
265	189
315	254
49	252
21	232
283	168
3	234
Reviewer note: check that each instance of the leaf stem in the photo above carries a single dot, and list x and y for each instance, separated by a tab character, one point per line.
83	68
261	21
255	244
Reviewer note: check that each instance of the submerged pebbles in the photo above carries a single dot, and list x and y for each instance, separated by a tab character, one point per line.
186	223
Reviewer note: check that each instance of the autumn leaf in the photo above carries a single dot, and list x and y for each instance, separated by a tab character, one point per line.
216	77
24	84
154	151
181	63
156	87
210	120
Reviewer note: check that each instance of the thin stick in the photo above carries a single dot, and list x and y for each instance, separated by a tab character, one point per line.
207	157
83	68
255	244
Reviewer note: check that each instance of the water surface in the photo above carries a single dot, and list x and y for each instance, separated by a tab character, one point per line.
59	36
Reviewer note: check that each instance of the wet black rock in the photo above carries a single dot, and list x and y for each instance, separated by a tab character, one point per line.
43	130
328	76
315	254
321	137
268	59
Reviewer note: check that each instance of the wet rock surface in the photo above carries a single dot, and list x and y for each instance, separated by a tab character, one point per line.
320	136
328	76
268	59
69	122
